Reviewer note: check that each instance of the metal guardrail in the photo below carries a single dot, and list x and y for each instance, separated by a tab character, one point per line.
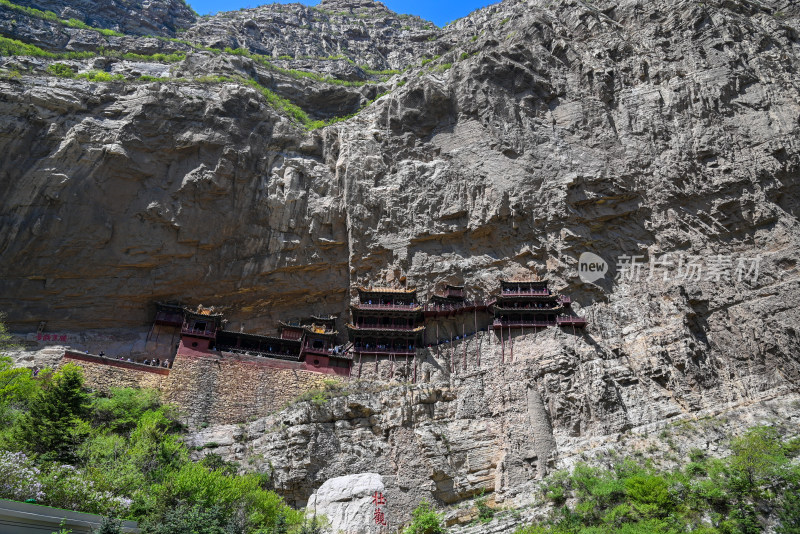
25	518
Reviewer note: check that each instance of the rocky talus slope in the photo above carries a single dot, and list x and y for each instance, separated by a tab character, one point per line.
505	144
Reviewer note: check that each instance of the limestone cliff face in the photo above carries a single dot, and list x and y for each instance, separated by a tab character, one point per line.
138	17
362	30
666	130
548	130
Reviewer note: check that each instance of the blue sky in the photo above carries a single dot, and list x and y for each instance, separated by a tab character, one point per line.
440	12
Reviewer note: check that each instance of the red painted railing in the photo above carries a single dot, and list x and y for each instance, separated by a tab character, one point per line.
466	305
538	292
373	326
520	324
401	307
189	331
571	321
376	350
528	307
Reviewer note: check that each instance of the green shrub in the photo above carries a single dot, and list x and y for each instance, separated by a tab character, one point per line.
424	520
101	76
649	494
109	525
123	408
61	69
485	513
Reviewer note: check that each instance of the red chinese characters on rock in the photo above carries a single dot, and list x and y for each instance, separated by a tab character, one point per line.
52	338
379	516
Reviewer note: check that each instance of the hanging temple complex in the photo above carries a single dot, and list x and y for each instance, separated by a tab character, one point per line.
386	324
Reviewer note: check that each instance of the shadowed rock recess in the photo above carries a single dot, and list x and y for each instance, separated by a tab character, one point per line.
504	145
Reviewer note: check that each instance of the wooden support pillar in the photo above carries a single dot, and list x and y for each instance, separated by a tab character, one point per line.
437	338
391	366
172	344
452	356
511	344
360	361
464	341
502	346
477	347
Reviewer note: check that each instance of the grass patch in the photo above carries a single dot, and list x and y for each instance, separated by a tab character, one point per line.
373	72
330	389
296	74
101	76
52	17
12	47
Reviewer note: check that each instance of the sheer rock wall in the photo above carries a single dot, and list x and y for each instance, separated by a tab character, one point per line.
663	129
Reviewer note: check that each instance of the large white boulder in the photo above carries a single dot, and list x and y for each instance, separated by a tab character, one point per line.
347	502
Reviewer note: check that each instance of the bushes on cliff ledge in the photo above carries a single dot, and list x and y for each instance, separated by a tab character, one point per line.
710	496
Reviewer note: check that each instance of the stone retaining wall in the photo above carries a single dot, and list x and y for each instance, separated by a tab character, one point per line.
223	390
208	389
103	373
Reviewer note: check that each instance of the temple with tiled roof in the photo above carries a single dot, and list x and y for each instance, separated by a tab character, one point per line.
386	321
531	304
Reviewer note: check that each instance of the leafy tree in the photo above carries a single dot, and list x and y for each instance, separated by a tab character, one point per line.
757	456
215	462
280	526
17	388
6	341
789	513
121	411
56	422
17	385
